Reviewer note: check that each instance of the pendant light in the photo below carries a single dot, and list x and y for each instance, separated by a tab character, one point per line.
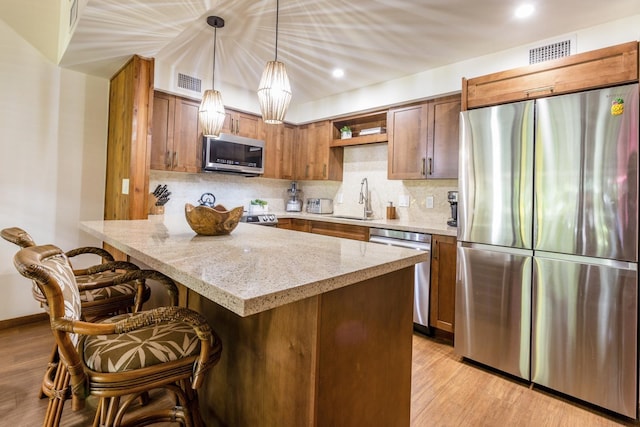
211	112
274	91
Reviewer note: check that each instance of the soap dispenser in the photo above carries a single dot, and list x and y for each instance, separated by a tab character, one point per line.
391	211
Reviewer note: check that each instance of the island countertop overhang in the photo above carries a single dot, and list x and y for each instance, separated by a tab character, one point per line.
254	269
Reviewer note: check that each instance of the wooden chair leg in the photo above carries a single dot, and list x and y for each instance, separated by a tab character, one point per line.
59	394
48	381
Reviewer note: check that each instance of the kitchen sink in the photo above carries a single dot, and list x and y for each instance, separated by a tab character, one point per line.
357	218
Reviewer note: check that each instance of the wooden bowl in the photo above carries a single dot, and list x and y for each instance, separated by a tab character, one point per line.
214	221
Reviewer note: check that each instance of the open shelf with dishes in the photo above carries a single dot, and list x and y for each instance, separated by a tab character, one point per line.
367	128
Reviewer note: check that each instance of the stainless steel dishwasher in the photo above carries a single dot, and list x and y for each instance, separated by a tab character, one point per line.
421	242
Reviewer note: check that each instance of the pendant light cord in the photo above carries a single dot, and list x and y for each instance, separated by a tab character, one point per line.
213	74
277	15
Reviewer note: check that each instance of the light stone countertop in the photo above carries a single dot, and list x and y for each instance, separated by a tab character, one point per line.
255	268
393	224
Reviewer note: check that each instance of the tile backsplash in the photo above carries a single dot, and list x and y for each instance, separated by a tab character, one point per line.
368	161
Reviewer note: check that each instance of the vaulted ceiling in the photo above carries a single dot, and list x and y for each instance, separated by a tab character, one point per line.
372	40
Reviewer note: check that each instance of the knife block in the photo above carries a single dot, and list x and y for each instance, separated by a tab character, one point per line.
153	209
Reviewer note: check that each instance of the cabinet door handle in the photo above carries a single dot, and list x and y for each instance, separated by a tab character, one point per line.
422	172
306	172
167	161
436	251
324	170
175	159
430	166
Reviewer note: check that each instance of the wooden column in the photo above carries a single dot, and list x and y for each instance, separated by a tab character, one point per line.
129	142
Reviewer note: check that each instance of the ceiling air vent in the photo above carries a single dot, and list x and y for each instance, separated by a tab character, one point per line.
189	83
550	51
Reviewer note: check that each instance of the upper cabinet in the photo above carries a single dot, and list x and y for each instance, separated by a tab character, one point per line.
314	158
279	145
423	139
362	129
589	70
242	124
176	137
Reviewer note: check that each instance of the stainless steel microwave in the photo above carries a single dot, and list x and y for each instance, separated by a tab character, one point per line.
233	154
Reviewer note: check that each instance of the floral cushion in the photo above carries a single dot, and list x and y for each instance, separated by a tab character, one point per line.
106	292
144	347
60	269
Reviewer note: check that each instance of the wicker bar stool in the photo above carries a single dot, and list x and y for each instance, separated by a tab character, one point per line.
99	295
121	358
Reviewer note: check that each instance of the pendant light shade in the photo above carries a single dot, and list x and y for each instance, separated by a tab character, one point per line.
211	113
274	91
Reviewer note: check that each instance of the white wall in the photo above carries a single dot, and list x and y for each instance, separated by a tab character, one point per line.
53	131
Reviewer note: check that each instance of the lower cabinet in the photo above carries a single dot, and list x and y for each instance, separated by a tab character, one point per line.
347	231
294	224
443	283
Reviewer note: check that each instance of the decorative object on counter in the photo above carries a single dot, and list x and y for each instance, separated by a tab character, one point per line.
257	206
452	197
391	211
158	199
274	91
345	132
207	199
215	221
294	198
211	113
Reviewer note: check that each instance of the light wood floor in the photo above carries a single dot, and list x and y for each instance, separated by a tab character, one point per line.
445	391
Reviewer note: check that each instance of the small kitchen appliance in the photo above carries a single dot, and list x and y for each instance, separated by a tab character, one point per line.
294	198
320	206
452	197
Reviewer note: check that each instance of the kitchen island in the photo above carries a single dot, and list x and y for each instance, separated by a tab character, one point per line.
316	330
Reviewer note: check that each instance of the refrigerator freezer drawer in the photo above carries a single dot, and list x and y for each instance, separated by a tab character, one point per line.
584	339
493	307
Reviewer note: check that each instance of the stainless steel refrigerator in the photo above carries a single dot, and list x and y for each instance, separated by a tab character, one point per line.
548	243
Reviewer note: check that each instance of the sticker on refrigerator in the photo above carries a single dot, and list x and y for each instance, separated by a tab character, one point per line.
617	107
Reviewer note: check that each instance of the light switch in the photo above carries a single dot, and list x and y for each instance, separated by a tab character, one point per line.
403	200
429	202
125	185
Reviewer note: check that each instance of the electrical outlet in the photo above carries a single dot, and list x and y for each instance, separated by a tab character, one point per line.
339	198
125	185
403	200
429	202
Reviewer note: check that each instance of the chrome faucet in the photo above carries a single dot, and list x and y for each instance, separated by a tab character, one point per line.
365	199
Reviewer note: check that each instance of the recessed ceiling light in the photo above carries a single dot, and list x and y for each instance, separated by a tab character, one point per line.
524	11
338	73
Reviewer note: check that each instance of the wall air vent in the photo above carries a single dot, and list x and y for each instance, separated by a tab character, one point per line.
550	51
189	83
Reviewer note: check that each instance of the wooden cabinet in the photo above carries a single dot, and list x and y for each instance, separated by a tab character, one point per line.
443	283
314	159
176	141
295	224
360	126
423	140
242	124
347	231
589	70
334	229
279	145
